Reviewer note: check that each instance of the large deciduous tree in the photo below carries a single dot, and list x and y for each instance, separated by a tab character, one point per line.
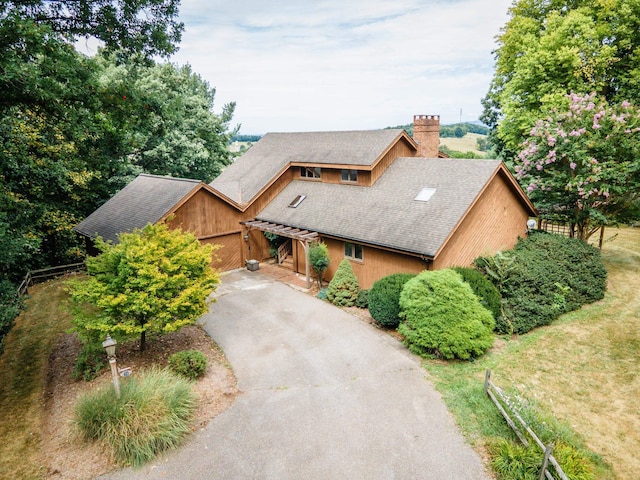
582	165
154	280
549	49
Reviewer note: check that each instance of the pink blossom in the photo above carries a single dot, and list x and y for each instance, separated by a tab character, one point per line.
591	106
625	104
572	165
538	167
531	187
551	141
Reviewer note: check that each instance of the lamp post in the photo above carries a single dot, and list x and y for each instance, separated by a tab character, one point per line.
110	346
531	224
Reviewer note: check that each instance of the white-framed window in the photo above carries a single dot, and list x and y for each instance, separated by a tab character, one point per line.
310	172
349	175
353	251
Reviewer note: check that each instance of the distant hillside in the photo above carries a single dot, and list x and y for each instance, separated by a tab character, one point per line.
457	130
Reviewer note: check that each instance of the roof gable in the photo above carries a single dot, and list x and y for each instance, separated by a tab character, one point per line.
145	200
387	214
271	156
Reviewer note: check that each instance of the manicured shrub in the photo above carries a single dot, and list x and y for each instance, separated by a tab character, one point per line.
384	299
363	299
544	276
443	317
151	415
483	288
344	286
191	364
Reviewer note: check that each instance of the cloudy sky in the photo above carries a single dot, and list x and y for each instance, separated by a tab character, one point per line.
310	65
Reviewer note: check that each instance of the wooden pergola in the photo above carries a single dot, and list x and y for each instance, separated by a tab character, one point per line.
299	234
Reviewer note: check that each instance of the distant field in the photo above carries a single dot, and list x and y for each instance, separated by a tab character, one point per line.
468	143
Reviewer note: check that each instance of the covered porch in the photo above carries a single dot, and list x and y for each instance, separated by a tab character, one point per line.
304	237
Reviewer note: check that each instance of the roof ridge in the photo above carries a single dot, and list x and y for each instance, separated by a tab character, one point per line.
168	177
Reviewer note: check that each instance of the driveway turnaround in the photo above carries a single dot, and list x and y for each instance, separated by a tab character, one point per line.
323	396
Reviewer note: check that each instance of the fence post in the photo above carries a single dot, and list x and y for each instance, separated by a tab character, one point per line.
487	378
545	461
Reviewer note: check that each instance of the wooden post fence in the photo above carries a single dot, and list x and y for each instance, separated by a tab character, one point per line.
547	450
36	276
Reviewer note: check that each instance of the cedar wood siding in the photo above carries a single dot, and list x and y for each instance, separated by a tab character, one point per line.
401	148
214	221
493	223
376	263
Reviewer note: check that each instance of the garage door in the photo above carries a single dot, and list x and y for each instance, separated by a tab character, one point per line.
229	253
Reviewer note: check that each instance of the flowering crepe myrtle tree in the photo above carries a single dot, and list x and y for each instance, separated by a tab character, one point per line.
582	166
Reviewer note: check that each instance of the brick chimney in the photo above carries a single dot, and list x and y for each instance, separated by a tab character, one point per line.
426	133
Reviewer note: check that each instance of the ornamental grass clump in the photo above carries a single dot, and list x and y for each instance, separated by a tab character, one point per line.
344	287
152	414
441	316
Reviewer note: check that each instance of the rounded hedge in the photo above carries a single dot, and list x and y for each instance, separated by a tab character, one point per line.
384	298
344	287
191	364
443	317
483	288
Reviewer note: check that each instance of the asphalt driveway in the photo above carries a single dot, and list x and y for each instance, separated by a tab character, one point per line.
324	396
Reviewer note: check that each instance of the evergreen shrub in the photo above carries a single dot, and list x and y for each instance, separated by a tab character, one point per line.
363	299
344	286
384	298
442	316
483	288
191	364
544	276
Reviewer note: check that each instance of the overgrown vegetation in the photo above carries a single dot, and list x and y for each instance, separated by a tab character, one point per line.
151	416
191	364
544	276
344	287
384	299
441	316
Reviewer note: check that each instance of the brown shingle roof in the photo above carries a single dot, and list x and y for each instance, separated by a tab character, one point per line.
262	163
387	213
145	200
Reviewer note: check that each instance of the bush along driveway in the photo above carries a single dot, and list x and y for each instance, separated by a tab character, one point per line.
324	395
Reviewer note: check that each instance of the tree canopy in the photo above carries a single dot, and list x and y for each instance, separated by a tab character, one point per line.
154	280
136	26
548	50
76	129
582	165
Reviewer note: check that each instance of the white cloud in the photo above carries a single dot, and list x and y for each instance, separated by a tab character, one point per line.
336	64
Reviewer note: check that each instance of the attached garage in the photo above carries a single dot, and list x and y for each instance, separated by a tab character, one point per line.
230	252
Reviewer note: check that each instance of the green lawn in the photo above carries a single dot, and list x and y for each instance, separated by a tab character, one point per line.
584	368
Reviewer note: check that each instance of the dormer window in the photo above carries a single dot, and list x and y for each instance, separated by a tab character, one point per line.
349	175
310	172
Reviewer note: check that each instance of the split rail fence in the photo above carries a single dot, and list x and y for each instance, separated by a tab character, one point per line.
37	276
498	398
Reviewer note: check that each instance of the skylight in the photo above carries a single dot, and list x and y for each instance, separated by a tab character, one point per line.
425	194
297	201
